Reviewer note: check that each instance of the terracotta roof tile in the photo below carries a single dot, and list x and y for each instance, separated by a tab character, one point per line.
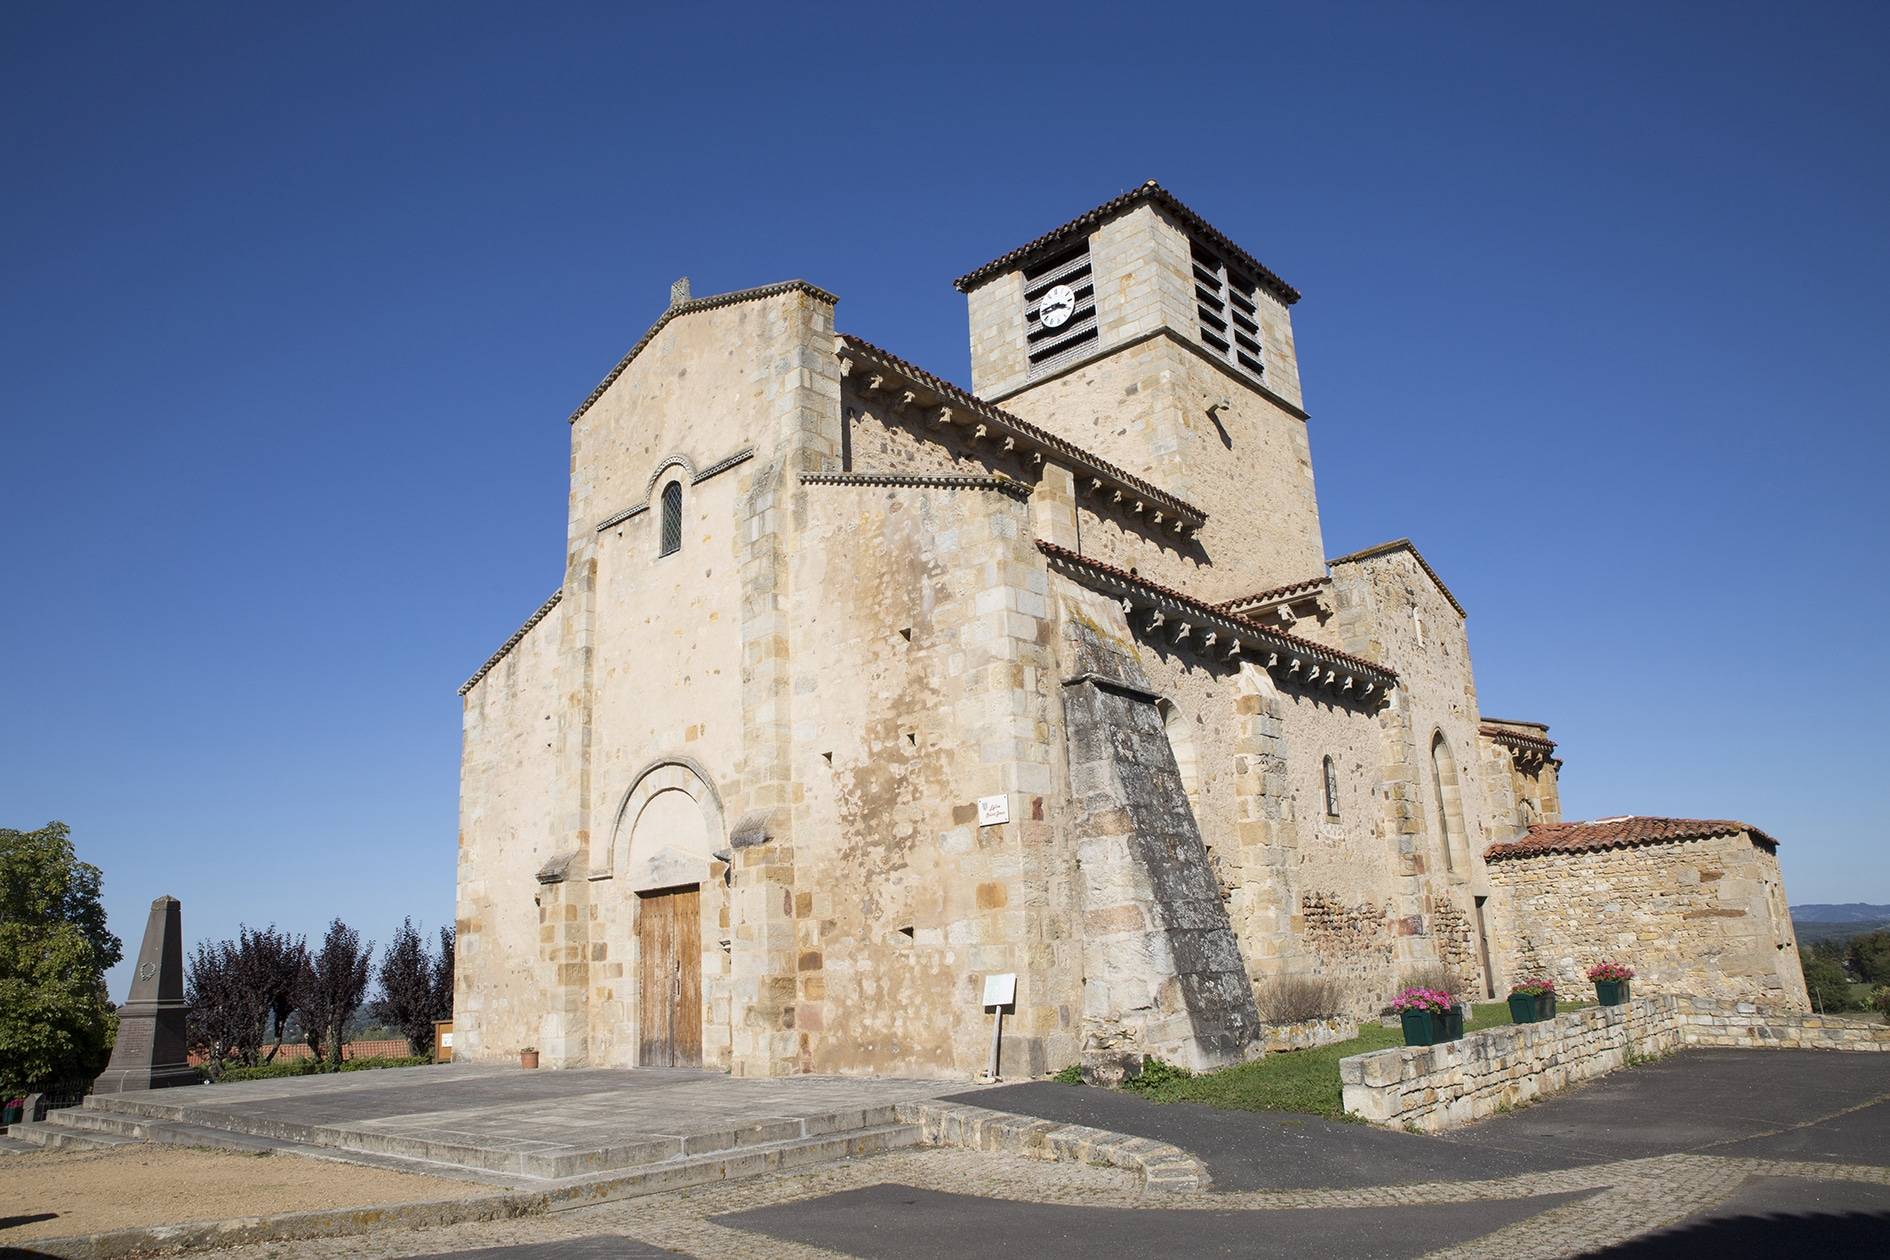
1082	224
1528	739
1211	612
1305	585
1618	833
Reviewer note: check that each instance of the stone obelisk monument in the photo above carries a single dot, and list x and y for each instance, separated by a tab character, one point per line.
149	1052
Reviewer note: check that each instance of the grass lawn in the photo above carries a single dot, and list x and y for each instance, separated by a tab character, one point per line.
1303	1080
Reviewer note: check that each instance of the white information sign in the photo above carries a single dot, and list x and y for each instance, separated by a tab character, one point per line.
1000	990
993	810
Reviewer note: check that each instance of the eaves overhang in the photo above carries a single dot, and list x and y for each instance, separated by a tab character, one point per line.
1209	631
912	387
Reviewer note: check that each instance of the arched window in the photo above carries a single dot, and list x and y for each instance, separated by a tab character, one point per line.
672	519
1332	788
1449	799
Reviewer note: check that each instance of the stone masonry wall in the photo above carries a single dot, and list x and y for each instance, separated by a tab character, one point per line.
1388	609
1431	1088
1162	971
512	724
924	682
1690	916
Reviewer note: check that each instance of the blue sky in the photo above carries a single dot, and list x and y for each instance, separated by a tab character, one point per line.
296	301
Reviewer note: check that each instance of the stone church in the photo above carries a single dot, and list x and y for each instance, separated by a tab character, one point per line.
862	687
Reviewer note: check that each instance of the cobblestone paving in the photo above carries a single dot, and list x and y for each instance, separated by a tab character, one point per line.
1643	1195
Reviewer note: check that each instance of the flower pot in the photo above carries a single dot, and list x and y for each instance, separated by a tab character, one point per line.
1452	1024
1420	1028
528	1058
1545	1006
1523	1008
1611	992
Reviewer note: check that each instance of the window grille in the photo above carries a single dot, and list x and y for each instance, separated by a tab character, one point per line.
1051	348
1332	789
1228	302
672	519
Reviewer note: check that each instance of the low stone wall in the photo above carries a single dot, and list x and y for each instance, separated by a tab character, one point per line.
1718	1022
1429	1088
1306	1034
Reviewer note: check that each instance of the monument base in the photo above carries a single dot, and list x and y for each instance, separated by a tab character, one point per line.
125	1080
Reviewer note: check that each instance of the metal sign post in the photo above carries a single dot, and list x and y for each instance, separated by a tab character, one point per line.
1000	991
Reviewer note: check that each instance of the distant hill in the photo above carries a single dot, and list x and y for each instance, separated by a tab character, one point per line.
1838	922
1847	912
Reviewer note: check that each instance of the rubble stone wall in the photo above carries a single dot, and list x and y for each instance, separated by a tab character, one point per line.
1690	916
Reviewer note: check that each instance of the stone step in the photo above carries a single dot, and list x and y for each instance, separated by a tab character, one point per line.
13	1146
49	1134
100	1126
519	1167
729	1165
178	1133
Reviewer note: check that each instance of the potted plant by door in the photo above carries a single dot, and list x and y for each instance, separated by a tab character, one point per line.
528	1057
1531	999
1427	1015
1611	982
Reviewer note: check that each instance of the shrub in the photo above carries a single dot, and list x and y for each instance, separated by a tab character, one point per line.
1295	999
1155	1074
315	1067
1610	971
1071	1075
1881	999
1436	976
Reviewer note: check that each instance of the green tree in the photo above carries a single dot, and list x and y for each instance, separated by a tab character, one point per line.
55	1021
1869	957
1825	981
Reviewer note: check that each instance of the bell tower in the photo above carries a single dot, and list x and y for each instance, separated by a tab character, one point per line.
1141	332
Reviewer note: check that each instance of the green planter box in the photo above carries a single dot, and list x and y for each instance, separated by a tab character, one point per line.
1612	992
1545	1006
1420	1028
1523	1008
1452	1022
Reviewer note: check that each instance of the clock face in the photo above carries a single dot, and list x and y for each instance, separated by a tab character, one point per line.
1057	306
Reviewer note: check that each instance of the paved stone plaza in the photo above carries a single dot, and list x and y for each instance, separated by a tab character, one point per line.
1781	1151
525	1128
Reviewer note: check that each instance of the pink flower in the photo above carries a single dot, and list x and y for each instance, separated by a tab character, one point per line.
1433	1000
1610	971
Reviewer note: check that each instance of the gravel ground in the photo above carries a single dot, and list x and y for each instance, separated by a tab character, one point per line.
58	1193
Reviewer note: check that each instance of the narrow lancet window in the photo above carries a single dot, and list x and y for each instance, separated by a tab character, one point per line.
672	519
1332	789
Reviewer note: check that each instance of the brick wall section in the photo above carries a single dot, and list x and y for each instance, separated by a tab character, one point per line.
1431	1088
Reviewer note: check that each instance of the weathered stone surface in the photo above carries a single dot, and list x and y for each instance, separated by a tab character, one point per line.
150	1052
838	708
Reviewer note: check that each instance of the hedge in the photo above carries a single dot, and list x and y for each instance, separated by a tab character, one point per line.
312	1067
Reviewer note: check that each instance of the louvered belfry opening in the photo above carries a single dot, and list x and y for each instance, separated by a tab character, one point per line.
1051	348
1228	302
672	519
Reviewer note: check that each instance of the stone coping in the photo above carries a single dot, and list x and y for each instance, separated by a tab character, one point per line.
1162	1166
